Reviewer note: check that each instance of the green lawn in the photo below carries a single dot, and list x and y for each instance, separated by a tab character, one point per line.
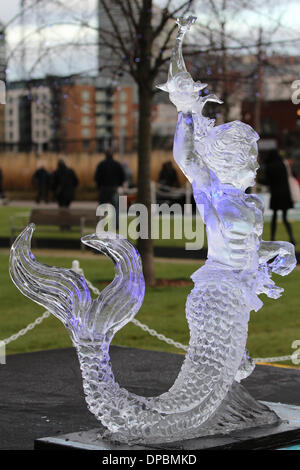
6	212
271	332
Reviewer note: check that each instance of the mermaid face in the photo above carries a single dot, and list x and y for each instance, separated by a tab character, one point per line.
247	174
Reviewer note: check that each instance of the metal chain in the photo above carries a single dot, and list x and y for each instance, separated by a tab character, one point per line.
150	331
159	336
294	356
25	330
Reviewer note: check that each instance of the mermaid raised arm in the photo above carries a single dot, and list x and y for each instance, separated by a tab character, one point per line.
185	94
215	157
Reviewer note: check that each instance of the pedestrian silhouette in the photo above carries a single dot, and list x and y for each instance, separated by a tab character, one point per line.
277	180
168	175
2	195
41	178
109	176
64	182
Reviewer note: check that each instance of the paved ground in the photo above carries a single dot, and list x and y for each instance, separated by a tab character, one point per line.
41	393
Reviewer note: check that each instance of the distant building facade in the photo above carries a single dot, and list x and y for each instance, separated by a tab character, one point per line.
125	118
28	117
280	120
69	115
77	131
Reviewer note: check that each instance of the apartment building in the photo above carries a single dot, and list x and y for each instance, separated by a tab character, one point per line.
28	117
125	118
77	130
69	114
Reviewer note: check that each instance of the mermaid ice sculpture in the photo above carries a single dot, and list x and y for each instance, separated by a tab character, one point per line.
206	397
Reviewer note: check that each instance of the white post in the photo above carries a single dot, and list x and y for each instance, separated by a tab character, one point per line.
188	198
2	353
153	196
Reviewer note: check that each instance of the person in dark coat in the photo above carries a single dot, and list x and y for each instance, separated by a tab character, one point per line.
64	182
109	176
41	178
168	175
277	180
2	195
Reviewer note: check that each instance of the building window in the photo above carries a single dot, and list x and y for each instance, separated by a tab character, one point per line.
85	120
85	108
123	108
86	132
123	96
85	95
100	96
100	120
11	136
123	121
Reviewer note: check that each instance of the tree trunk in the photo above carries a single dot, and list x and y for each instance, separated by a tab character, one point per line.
145	85
225	93
258	85
145	246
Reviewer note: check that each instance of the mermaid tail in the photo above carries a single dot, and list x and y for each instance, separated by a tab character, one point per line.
202	397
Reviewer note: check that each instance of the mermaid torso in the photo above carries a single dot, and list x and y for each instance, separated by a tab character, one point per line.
234	223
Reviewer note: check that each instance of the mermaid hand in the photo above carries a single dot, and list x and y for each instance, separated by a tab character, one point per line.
284	254
265	285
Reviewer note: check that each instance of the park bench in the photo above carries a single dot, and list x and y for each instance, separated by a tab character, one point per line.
62	218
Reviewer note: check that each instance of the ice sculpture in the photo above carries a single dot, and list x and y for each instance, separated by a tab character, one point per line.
206	398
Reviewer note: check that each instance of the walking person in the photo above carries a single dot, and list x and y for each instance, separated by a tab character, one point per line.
64	183
3	199
277	179
2	195
41	178
109	176
168	175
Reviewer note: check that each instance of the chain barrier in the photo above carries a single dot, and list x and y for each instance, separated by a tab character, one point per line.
29	327
76	267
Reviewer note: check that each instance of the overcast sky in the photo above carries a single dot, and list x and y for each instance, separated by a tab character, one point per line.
63	60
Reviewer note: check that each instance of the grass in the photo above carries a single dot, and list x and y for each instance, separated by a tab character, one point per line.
271	331
7	211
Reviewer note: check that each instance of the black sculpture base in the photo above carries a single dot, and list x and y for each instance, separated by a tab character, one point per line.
283	434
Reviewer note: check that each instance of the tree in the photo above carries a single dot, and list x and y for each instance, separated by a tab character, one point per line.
141	35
